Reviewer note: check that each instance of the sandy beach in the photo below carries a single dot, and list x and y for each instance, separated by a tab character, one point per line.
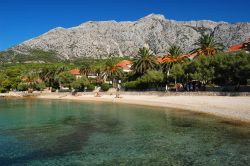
235	108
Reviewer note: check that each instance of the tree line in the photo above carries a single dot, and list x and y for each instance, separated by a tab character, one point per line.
210	66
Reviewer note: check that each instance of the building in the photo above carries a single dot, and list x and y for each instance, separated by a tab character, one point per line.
239	47
76	72
169	58
125	65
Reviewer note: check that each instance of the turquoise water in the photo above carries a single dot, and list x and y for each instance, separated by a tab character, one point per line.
42	132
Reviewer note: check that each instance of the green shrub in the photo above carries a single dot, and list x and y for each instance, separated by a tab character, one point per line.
151	79
7	84
39	86
92	80
80	84
105	86
66	79
91	87
2	90
23	87
131	85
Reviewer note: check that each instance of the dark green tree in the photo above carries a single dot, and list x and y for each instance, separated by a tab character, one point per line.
232	69
86	69
144	61
201	69
177	73
80	84
152	78
65	79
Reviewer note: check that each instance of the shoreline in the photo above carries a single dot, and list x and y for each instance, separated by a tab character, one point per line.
231	108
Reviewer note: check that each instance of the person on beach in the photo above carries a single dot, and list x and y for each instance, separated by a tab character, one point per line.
177	87
166	88
97	94
118	91
74	92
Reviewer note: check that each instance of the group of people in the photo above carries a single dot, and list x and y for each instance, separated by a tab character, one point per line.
189	86
193	86
117	95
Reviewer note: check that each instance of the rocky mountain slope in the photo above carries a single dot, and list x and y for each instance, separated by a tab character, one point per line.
101	39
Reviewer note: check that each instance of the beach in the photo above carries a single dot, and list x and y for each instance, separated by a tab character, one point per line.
234	108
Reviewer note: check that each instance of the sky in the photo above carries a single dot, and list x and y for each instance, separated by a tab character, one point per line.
21	20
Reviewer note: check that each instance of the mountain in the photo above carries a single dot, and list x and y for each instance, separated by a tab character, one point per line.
105	38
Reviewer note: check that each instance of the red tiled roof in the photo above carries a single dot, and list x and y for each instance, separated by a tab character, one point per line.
160	59
169	58
192	56
166	59
236	47
75	71
125	64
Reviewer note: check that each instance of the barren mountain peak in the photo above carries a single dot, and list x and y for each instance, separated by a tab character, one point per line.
100	39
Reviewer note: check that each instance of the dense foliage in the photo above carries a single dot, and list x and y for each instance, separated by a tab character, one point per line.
80	84
144	61
33	56
105	86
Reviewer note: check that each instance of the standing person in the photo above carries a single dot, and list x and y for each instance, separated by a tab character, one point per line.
177	87
196	86
166	88
193	85
118	91
97	92
187	87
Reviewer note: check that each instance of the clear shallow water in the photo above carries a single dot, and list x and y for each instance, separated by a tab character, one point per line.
41	132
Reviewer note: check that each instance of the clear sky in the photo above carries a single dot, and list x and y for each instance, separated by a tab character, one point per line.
24	19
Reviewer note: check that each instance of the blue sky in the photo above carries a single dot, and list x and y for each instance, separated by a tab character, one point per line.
24	19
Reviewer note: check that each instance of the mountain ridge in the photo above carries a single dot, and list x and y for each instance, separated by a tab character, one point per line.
99	39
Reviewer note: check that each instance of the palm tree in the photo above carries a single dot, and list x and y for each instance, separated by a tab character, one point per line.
48	75
175	51
31	78
207	45
113	72
85	69
57	72
174	56
144	61
61	69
